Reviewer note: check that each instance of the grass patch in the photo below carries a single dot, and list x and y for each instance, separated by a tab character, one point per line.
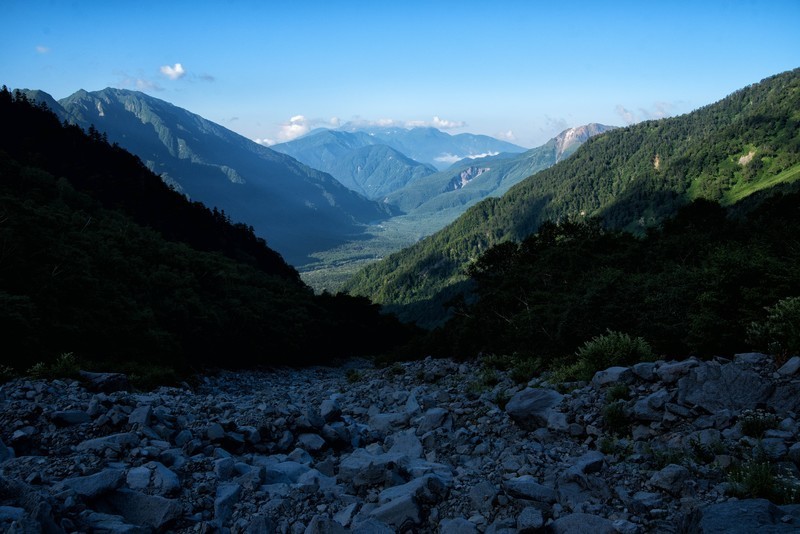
743	189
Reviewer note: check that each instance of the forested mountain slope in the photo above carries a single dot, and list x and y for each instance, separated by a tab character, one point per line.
101	258
631	177
298	210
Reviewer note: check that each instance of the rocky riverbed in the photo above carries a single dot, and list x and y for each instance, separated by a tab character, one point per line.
427	446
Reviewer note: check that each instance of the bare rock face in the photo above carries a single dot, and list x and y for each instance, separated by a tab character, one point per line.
531	408
309	451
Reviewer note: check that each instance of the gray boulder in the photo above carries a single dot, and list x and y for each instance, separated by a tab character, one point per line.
114	442
531	407
105	382
457	526
742	517
92	486
150	511
670	479
69	417
580	523
227	497
716	387
526	487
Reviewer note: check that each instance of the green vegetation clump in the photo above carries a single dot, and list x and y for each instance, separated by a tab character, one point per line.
353	376
755	423
6	373
779	331
64	366
759	478
612	349
615	420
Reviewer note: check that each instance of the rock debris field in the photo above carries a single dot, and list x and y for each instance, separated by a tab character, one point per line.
425	446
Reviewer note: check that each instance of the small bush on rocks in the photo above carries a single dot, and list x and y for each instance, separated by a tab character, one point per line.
353	376
6	373
779	332
65	366
617	392
610	349
755	422
615	419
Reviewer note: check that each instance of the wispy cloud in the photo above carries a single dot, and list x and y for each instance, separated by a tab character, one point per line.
658	110
508	135
206	78
42	49
298	126
452	158
140	84
436	122
173	72
444	124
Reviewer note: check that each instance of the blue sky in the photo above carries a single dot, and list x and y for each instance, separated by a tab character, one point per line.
520	70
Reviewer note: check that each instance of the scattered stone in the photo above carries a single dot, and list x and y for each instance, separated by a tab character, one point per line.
306	450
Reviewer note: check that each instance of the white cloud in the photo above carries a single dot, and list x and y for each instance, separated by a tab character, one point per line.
42	49
506	136
658	110
444	124
173	73
300	125
265	141
297	126
452	158
627	116
448	158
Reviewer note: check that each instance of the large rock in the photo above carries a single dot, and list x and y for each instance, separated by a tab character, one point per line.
402	513
227	497
149	511
582	524
526	487
105	382
743	517
531	407
114	442
670	479
92	486
716	387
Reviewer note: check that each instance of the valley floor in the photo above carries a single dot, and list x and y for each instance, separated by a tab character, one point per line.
426	446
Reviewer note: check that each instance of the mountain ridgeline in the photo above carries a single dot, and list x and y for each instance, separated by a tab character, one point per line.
630	178
298	210
103	259
471	180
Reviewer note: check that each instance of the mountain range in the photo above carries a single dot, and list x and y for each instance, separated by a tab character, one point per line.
630	178
298	209
471	180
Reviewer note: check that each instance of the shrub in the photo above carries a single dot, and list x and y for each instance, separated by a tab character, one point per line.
615	419
6	373
523	369
755	422
779	333
353	375
617	392
610	349
397	369
65	366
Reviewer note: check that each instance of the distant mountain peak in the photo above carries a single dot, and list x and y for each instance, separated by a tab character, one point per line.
571	138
